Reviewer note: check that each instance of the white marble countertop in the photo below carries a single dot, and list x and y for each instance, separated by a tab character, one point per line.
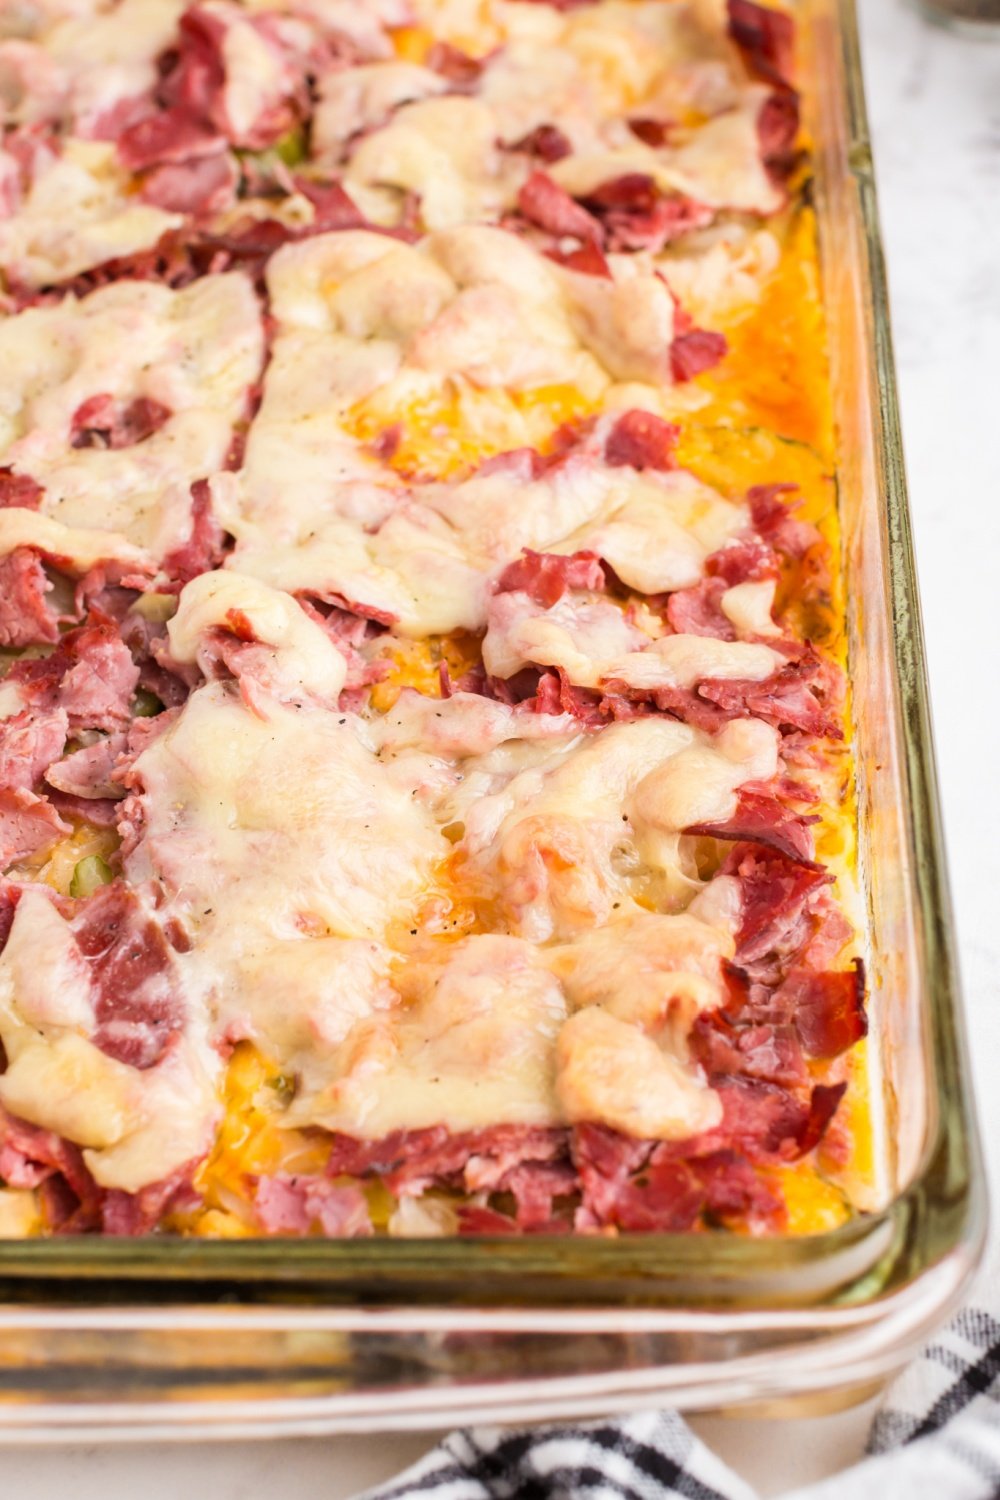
934	101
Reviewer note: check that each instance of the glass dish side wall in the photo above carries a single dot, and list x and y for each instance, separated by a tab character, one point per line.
934	1158
325	1332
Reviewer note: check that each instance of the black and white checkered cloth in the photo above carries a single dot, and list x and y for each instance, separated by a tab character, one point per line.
936	1438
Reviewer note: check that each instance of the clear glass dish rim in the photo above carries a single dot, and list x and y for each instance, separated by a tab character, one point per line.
939	1213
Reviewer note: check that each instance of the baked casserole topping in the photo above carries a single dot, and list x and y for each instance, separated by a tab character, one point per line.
425	797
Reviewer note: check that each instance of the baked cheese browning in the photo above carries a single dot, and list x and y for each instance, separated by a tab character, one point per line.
425	796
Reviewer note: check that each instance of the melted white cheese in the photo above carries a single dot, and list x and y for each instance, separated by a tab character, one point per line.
470	308
657	972
561	837
488	1033
445	149
615	1073
593	643
75	550
680	661
726	274
272	835
356	100
581	636
589	71
429	555
290	825
86	60
78	213
475	1045
749	607
300	656
195	351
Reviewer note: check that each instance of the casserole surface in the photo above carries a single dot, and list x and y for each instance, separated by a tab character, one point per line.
441	777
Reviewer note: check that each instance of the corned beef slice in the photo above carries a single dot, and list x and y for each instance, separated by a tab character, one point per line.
85	683
29	743
695	351
294	1204
19	490
332	204
698	610
26	618
128	1214
766	38
764	1120
640	1185
641	440
169	136
805	694
650	129
774	518
204	546
546	576
137	1005
28	824
89	773
99	812
181	144
206	185
636	216
547	142
776	892
826	1009
454	64
551	692
545	203
30	1156
761	818
409	1160
103	422
747	561
90	675
530	1164
635	439
753	1050
777	131
589	259
802	696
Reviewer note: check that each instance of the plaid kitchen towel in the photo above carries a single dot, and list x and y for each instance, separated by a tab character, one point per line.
936	1438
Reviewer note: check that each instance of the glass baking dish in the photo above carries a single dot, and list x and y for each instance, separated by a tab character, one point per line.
161	1337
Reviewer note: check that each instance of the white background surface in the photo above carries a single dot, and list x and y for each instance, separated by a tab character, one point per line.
934	101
